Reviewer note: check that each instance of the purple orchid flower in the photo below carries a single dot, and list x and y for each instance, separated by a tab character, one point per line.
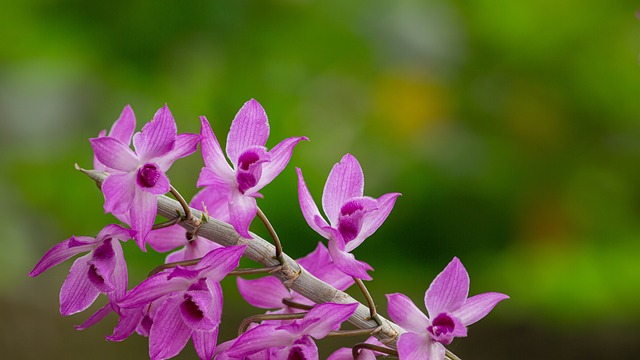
353	217
137	178
449	309
293	340
268	292
122	130
101	270
189	304
253	166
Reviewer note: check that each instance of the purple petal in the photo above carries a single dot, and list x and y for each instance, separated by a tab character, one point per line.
157	137
250	127
119	191
153	288
260	338
77	292
449	289
211	178
345	181
129	320
320	265
372	220
219	262
114	154
327	317
167	239
143	214
419	347
119	275
101	266
242	210
347	263
265	293
303	348
214	202
406	314
151	179
96	317
212	153
196	310
280	156
113	231
205	342
57	254
124	127
169	334
477	307
309	208
185	145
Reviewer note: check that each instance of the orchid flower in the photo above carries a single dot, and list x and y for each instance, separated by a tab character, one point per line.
352	216
364	354
268	292
189	301
293	340
449	309
101	270
253	167
137	178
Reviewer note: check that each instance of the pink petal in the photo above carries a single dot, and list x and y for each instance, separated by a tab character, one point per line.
143	214
119	190
419	347
114	154
309	208
320	265
477	307
212	153
373	220
449	289
77	292
242	210
101	266
345	181
169	334
265	293
302	348
280	156
348	264
151	289
157	137
327	317
406	314
129	320
219	262
214	201
167	239
196	308
124	127
96	317
120	275
250	127
199	247
57	254
161	186
185	145
259	338
205	342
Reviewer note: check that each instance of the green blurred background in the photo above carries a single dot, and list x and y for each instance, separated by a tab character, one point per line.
511	128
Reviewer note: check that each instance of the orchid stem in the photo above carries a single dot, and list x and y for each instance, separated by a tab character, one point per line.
357	332
274	236
183	203
296	305
171	265
451	356
166	224
261	317
356	349
240	272
372	306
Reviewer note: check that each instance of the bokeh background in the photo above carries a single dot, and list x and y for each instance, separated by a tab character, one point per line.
512	129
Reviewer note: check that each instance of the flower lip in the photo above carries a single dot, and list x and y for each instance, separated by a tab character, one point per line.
148	176
442	328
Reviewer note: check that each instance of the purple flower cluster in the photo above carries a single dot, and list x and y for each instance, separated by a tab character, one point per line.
183	301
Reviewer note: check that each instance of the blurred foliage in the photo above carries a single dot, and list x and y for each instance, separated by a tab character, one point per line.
512	129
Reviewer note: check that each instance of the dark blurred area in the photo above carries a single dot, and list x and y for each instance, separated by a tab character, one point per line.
511	128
